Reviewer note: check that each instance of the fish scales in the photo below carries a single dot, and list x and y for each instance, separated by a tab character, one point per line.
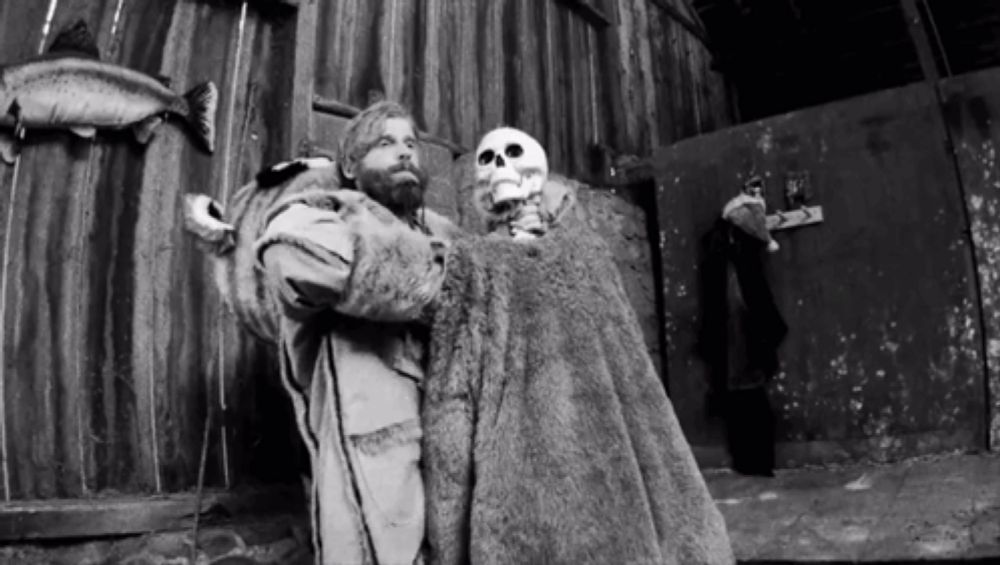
106	95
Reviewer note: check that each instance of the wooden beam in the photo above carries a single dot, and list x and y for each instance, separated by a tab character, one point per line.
64	519
587	9
687	23
921	42
340	109
303	76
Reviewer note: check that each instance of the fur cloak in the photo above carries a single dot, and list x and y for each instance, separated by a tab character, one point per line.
548	437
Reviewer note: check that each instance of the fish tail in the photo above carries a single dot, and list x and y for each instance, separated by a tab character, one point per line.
202	101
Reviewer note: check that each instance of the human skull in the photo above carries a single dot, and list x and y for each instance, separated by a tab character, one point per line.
511	164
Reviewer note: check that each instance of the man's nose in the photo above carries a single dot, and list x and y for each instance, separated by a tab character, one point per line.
405	153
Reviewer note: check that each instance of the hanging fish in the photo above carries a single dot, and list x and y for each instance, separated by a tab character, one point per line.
70	88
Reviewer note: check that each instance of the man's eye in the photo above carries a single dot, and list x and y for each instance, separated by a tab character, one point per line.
384	143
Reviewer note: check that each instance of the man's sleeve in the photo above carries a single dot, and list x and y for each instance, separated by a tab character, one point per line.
342	257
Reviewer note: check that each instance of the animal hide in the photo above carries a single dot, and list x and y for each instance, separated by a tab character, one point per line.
548	437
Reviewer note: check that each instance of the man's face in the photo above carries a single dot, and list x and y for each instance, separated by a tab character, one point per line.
390	172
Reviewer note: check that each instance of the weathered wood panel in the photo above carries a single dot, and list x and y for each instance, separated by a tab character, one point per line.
972	113
46	354
466	67
884	355
115	344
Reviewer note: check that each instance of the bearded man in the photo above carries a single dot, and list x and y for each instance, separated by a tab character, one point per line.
353	269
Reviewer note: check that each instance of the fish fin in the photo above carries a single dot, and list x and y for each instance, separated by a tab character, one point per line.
203	100
164	80
84	131
76	39
9	148
144	130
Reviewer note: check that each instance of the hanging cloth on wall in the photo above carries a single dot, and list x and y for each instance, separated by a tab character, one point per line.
741	331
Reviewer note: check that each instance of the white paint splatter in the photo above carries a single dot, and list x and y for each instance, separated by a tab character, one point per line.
766	142
976	202
864	482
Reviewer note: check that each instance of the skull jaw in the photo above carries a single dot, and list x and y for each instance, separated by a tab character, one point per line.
508	186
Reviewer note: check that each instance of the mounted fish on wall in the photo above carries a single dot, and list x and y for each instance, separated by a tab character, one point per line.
70	88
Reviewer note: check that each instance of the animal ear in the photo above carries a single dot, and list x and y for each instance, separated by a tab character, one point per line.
75	39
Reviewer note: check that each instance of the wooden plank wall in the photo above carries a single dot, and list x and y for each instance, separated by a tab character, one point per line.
466	67
111	337
113	346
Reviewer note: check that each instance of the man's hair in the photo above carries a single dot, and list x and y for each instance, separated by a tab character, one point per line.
363	132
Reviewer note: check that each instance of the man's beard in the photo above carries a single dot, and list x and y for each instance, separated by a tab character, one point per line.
402	197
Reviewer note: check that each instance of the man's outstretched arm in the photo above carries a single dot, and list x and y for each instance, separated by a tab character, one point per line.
339	250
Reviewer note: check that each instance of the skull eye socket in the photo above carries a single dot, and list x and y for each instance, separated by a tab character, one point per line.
513	151
486	157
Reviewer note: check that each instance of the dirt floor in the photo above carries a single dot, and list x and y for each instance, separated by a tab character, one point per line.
935	510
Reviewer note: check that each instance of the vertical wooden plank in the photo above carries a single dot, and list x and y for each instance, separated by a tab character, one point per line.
613	82
21	27
649	137
567	81
413	44
530	109
557	18
551	103
202	45
367	73
48	244
490	65
335	43
303	73
591	109
688	74
121	454
513	63
563	70
20	33
261	437
468	123
579	82
630	46
431	50
395	30
664	43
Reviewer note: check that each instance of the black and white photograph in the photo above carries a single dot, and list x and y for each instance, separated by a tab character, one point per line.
499	282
